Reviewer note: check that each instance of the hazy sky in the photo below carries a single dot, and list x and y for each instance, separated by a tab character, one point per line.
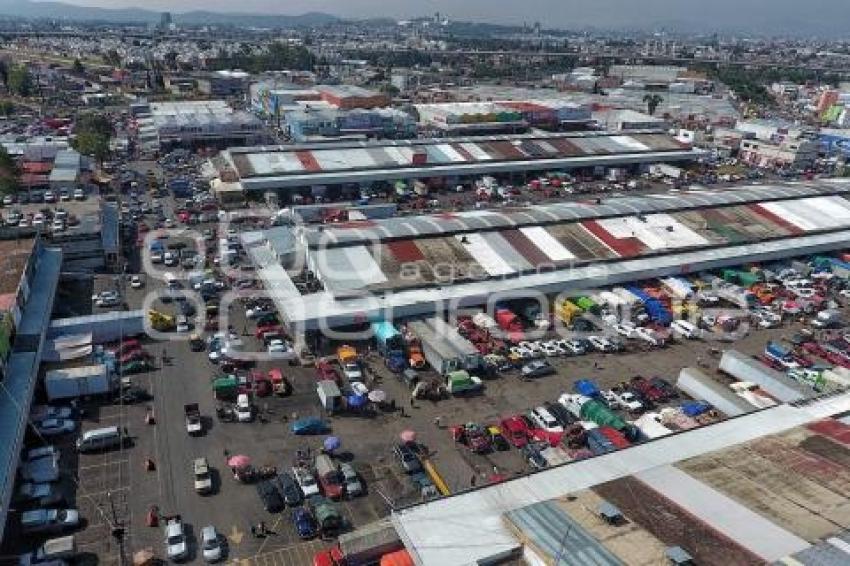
552	12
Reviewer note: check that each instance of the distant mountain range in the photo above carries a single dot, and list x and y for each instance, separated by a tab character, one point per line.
62	11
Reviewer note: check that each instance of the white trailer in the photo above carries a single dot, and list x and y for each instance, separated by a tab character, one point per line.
650	425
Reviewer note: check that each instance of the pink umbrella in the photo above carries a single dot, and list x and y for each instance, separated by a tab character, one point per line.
408	436
239	461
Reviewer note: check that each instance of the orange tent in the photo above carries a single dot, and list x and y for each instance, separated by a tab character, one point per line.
397	558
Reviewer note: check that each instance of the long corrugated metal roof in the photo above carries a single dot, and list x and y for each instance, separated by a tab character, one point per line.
393	228
559	537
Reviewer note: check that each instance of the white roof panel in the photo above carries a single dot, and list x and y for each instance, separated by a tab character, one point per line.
451	153
547	243
630	143
485	255
476	152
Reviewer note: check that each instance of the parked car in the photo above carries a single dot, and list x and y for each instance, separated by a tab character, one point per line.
289	489
176	544
308	425
353	485
544	420
43	494
306	481
531	452
211	544
270	497
49	520
537	368
408	459
55	427
201	475
516	430
305	523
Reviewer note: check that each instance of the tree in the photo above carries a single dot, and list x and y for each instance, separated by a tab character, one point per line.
92	144
20	81
8	173
78	67
6	108
652	102
112	58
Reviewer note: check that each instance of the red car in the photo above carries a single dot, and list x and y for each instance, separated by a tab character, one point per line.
815	349
325	371
127	346
268	328
647	390
134	355
473	436
515	430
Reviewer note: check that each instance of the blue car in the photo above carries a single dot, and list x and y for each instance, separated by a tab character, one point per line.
305	524
308	425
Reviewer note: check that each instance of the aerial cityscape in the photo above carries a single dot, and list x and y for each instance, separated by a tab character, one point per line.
424	283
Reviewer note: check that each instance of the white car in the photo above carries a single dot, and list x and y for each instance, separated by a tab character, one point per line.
136	282
610	398
49	520
211	544
169	223
306	481
522	353
55	427
182	324
57	225
49	196
535	347
629	402
573	347
157	256
169	259
176	545
601	344
552	348
257	311
277	346
649	336
106	299
543	419
79	194
625	329
244	411
201	475
38	220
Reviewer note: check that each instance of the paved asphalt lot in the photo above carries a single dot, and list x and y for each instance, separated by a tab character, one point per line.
234	507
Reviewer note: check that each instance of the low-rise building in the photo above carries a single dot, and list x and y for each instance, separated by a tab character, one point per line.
224	83
796	154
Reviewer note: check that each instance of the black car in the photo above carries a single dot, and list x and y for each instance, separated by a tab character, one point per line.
665	386
290	490
270	496
186	308
561	414
531	452
131	395
408	459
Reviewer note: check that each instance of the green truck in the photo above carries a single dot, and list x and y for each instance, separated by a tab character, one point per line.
461	382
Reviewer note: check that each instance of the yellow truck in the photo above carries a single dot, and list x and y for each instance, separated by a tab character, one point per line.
349	362
161	322
567	311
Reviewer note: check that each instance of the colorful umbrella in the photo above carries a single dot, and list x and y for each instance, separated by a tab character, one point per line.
239	461
377	396
332	443
408	436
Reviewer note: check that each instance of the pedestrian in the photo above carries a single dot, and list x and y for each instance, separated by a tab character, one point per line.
473	480
437	421
263	527
595	364
412	402
402	412
253	531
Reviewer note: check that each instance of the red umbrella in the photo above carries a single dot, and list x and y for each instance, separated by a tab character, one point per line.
408	436
239	461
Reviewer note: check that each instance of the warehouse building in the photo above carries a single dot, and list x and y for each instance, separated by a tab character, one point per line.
224	83
796	154
307	123
297	169
504	117
414	266
190	124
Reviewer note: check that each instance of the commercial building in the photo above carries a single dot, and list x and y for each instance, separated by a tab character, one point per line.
625	120
503	117
224	83
30	277
347	97
308	123
795	154
192	124
67	166
295	169
414	266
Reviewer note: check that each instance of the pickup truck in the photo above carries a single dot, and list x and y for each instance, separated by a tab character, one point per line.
194	425
350	364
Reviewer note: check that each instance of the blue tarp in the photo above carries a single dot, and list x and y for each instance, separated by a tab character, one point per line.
586	387
695	408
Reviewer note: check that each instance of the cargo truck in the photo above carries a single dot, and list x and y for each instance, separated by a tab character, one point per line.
83	381
593	410
390	344
329	394
365	545
444	348
752	394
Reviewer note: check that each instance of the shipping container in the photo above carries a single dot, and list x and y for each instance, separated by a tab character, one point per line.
747	368
700	386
